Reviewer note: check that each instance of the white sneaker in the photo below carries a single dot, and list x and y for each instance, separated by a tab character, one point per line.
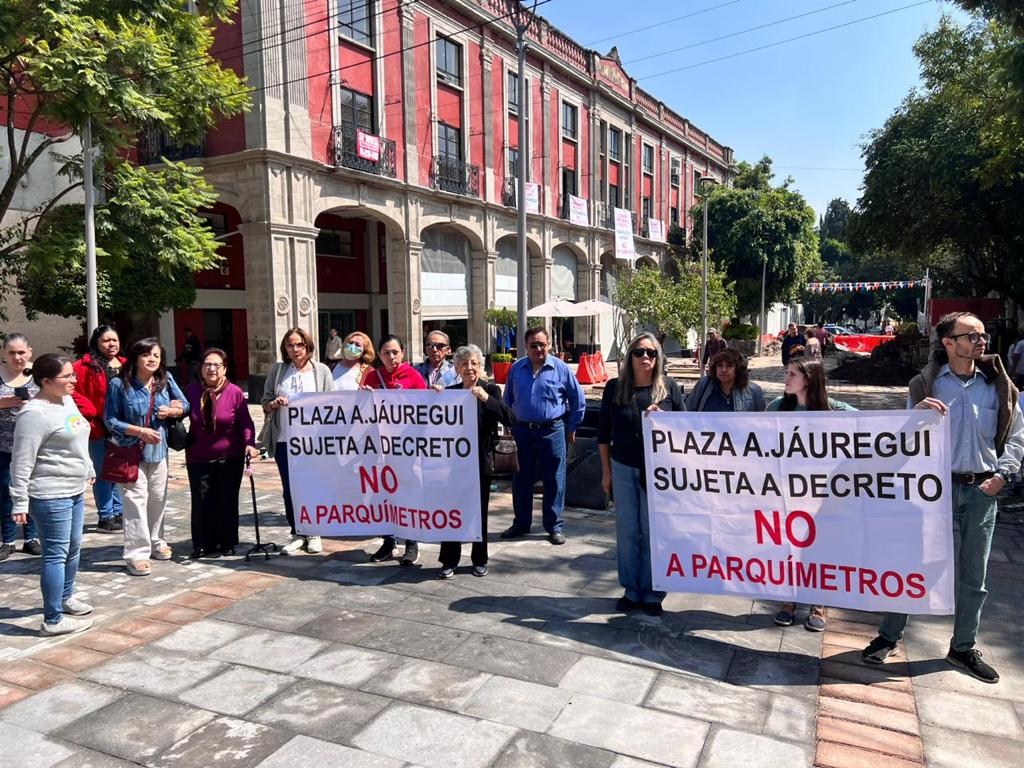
65	626
293	546
314	545
76	607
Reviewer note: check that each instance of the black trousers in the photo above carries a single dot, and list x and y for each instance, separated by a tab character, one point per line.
451	551
215	487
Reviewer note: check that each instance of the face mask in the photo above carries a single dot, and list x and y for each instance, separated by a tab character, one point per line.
352	352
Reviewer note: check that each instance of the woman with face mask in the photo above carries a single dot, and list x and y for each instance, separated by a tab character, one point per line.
357	357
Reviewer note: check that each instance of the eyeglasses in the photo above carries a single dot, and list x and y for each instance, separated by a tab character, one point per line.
212	366
651	353
435	345
974	337
300	345
539	345
66	377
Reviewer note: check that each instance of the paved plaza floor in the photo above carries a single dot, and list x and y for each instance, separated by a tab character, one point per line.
330	660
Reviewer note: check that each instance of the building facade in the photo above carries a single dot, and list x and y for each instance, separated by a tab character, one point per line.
372	184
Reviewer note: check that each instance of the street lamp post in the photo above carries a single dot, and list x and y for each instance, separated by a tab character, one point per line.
92	313
761	324
704	184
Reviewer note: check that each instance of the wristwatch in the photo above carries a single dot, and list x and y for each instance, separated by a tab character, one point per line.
1002	476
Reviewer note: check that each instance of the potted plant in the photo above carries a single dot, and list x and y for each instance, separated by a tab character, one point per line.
500	363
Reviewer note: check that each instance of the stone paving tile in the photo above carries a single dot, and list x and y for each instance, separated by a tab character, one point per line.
987	716
949	748
410	638
608	680
831	755
622	761
346	665
773	674
224	741
512	658
432	738
136	727
870	737
725	745
296	754
320	710
630	730
27	749
201	638
791	718
274	613
154	672
9	694
31	674
517	703
711	700
236	690
882	697
174	614
86	758
60	705
528	750
420	681
200	601
147	629
344	626
276	651
107	642
869	714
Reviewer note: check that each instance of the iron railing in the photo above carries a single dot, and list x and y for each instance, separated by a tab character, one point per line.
154	143
343	151
450	175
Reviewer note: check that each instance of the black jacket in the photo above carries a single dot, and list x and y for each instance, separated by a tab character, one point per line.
488	415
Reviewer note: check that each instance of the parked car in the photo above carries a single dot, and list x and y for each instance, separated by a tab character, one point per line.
838	330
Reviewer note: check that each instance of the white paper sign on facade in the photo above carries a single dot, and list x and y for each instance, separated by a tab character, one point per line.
624	248
532	197
367	146
656	230
578	213
849	509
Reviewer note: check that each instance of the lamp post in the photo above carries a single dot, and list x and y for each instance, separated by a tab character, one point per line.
521	20
704	184
92	313
761	324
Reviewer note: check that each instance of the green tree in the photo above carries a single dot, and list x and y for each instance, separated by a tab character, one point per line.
748	227
941	187
757	176
127	67
835	221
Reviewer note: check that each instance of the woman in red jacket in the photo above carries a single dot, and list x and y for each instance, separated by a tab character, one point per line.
97	367
394	373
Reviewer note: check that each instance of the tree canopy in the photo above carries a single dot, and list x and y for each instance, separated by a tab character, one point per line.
127	66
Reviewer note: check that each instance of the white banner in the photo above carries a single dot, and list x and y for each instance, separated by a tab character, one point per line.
578	211
656	230
624	235
848	509
367	146
532	197
378	462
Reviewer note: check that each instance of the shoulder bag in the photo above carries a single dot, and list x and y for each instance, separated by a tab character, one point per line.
503	457
121	462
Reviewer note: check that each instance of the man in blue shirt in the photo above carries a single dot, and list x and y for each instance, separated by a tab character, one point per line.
436	370
987	429
548	404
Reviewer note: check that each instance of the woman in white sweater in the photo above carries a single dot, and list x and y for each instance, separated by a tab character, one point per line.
50	469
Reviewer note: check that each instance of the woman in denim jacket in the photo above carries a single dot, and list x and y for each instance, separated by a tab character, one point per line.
727	387
144	377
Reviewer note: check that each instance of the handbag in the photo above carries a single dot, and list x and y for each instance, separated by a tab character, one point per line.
177	435
121	462
503	456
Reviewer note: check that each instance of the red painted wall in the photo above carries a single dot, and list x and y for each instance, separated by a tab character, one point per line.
318	88
240	337
424	128
499	121
449	105
394	93
229	135
583	187
233	251
337	275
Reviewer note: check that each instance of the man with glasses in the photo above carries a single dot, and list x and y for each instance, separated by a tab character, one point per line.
548	404
436	370
973	390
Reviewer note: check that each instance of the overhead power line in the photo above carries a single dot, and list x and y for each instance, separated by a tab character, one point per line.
620	35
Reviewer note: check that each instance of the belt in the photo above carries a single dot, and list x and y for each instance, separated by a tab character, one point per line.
539	424
972	478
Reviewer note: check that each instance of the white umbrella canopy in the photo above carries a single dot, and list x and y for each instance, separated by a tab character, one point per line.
554	308
595	307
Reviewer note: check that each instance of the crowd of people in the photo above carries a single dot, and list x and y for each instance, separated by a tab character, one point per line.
108	421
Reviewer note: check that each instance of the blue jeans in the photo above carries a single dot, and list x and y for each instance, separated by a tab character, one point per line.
60	529
545	447
633	535
9	527
106	494
974	522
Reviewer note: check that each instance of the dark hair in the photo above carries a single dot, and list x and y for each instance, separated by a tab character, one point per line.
943	329
389	338
94	342
306	339
218	352
16	337
817	394
738	360
48	366
138	349
531	332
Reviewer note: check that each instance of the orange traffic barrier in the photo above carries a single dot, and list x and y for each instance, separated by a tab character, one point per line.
585	371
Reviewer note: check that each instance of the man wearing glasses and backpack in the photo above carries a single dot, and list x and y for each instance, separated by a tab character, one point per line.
548	404
973	390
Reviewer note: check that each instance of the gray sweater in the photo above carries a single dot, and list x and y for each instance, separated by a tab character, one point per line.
51	453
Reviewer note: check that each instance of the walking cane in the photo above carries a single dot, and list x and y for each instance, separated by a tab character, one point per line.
266	549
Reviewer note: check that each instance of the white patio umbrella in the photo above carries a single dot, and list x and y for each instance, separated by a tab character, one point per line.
556	308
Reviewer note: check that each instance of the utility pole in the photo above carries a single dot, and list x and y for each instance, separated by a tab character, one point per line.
521	19
761	324
91	300
705	183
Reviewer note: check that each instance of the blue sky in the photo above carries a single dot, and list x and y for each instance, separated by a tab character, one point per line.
807	103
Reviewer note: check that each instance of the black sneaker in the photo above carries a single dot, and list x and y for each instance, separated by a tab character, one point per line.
653	609
386	552
878	650
514	533
32	547
412	554
6	550
625	605
970	662
446	573
784	618
109	525
557	538
118	522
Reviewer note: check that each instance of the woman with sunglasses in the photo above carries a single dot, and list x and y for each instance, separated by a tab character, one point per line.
296	373
356	361
642	386
50	472
394	373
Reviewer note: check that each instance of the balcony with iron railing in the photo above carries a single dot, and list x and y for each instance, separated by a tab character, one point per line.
154	143
344	151
448	174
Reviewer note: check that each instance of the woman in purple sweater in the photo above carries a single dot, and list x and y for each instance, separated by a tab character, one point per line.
220	435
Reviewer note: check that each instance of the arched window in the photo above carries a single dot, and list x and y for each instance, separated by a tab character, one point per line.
444	272
563	273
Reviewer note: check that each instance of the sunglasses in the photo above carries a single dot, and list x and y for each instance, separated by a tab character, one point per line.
974	337
651	353
538	345
435	345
